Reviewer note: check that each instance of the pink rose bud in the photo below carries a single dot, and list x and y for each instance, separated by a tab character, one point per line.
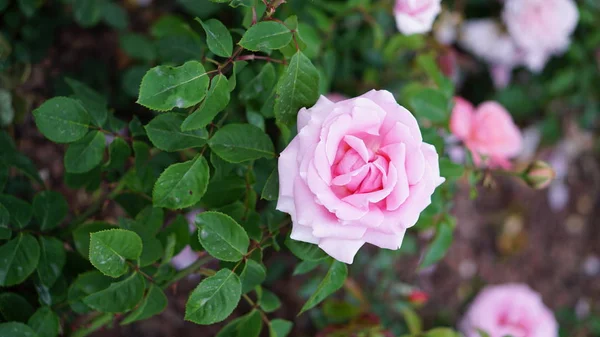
416	16
358	171
539	175
509	310
488	131
540	28
418	297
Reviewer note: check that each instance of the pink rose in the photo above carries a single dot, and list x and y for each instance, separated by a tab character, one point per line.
486	131
540	28
486	40
416	16
509	310
358	171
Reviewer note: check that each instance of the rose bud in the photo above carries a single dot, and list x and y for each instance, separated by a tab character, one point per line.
418	297
539	175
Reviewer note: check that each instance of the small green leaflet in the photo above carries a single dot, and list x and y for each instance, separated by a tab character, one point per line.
298	87
110	248
62	119
165	133
167	87
440	245
18	259
237	143
218	37
120	296
334	280
85	154
181	185
216	100
221	236
214	299
265	36
153	304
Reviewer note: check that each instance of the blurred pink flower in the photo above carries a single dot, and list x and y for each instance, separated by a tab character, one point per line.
509	310
486	40
487	130
416	16
540	28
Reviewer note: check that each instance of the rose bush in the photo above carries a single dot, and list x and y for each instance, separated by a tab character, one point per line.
357	172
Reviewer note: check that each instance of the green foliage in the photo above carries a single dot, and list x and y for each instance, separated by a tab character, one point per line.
334	280
110	249
214	299
167	87
221	236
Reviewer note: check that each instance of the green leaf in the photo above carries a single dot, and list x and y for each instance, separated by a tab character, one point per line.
440	245
86	284
52	260
94	103
7	113
5	231
340	311
165	133
20	211
250	325
334	280
298	87
62	120
154	303
181	185
151	219
214	299
179	48
271	189
115	16
265	36
137	46
304	250
269	302
49	209
81	236
262	83
85	154
180	228
110	248
448	169
280	327
18	259
237	143
120	296
431	104
131	80
415	326
28	7
166	87
254	274
118	153
221	236
45	322
14	307
440	332
216	100
15	329
218	37
88	12
305	267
